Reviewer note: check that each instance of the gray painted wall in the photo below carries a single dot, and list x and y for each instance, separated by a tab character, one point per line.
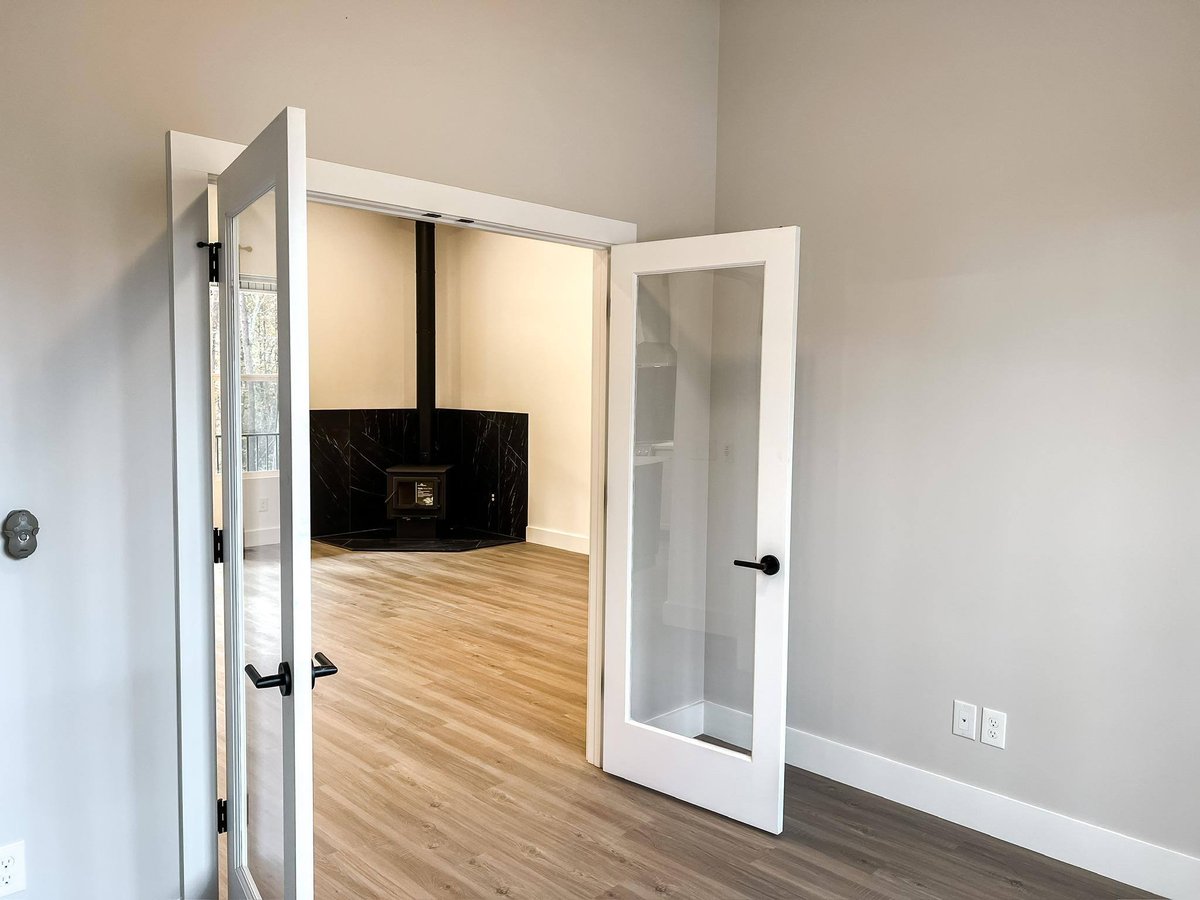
606	106
999	383
996	480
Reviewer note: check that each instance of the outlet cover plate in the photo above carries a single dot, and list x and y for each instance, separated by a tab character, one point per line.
995	728
965	719
12	868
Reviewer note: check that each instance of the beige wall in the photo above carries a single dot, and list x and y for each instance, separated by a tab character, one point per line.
362	309
997	487
515	334
361	304
605	106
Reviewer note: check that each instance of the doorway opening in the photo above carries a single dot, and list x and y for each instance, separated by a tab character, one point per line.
451	665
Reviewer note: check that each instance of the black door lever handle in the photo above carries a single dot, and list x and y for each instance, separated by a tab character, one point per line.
324	667
768	565
282	679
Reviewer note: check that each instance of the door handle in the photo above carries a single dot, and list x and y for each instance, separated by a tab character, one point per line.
324	668
282	679
768	565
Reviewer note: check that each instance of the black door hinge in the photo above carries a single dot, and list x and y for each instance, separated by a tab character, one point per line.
222	816
218	545
214	258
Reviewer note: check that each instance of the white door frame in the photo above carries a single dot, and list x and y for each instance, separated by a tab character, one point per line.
192	163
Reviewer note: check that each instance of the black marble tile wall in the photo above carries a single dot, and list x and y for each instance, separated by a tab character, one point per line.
479	464
448	439
329	451
351	450
378	438
512	508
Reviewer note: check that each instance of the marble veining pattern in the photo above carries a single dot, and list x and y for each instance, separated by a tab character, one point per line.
351	450
512	508
329	442
378	438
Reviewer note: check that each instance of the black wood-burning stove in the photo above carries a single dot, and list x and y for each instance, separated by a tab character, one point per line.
418	498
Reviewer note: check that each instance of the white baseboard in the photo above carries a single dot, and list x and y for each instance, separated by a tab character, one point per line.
729	725
261	537
1108	853
687	720
1052	834
563	540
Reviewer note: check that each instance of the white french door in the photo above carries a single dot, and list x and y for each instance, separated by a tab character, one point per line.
702	352
262	199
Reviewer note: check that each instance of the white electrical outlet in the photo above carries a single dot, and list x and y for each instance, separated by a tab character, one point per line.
965	716
262	505
995	727
12	868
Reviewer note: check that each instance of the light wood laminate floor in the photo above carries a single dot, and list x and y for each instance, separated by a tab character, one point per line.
449	763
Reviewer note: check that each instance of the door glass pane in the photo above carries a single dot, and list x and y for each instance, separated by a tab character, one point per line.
695	501
258	399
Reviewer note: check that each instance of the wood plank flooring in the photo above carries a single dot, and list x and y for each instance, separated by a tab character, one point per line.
449	763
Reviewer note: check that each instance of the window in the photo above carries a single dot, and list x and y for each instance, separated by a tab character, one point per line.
259	323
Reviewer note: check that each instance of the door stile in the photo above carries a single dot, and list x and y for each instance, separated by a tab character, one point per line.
291	201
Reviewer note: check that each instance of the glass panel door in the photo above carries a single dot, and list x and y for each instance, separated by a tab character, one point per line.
702	352
256	320
264	464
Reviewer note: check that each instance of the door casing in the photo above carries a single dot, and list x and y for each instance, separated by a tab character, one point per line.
193	162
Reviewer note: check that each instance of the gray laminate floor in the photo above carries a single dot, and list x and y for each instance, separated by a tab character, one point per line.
449	763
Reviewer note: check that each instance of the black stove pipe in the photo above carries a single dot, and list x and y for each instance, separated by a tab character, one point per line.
426	340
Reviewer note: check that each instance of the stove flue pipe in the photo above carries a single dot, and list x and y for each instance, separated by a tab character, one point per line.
426	340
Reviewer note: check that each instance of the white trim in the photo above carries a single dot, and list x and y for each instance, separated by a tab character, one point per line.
594	726
291	210
192	161
727	724
562	540
195	629
1108	853
261	474
708	718
396	195
261	537
687	720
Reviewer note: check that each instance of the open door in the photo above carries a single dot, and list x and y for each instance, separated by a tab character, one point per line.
702	353
263	375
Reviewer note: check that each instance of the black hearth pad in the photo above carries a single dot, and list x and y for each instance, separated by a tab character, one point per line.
383	540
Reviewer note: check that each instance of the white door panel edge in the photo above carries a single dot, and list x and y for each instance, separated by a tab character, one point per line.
747	786
274	161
